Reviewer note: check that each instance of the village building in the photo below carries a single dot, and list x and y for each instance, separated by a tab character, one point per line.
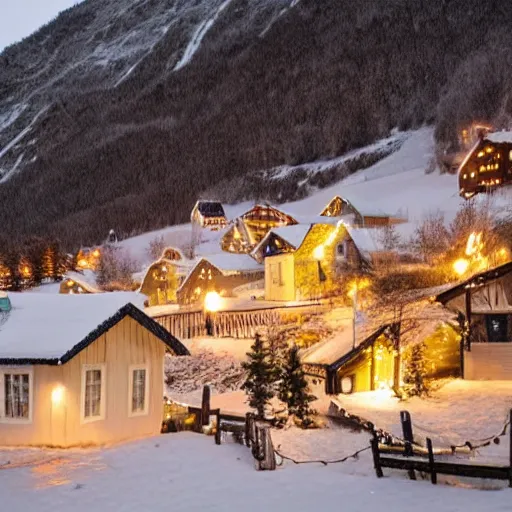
220	273
250	228
80	370
359	215
484	305
79	282
487	165
324	255
162	279
208	214
88	258
281	240
352	366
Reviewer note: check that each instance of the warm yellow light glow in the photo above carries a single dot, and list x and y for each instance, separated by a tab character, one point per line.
82	263
358	285
318	252
70	283
461	266
57	395
474	244
96	253
212	302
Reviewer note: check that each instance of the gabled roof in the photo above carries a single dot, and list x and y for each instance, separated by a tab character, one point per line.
52	329
273	209
499	137
228	264
365	240
368	342
359	206
477	280
210	208
294	235
85	279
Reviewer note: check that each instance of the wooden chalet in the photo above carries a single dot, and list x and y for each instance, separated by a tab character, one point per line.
208	214
163	278
359	216
484	305
322	257
370	365
79	283
220	273
80	370
281	240
251	227
487	165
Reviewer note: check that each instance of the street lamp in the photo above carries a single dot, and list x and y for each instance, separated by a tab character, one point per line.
212	304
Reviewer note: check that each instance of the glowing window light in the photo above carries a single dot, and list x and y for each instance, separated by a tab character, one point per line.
461	266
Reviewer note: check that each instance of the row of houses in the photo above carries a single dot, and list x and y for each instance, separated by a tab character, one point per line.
293	258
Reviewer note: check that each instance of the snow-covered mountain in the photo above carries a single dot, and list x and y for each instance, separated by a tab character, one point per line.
120	113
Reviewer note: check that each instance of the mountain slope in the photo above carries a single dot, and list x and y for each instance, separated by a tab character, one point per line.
120	113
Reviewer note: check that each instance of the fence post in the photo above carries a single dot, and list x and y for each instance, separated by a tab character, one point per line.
218	431
433	474
405	419
376	456
510	449
248	429
205	406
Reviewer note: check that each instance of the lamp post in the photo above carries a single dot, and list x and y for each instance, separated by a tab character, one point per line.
212	303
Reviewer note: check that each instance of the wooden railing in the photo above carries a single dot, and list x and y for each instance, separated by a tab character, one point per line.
230	324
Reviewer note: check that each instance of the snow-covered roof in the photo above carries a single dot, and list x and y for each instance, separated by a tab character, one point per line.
467	157
365	239
499	137
228	262
47	327
85	279
294	235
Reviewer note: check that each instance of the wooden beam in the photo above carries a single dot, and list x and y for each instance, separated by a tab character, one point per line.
376	456
433	474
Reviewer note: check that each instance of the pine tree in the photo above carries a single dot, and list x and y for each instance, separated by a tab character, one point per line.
294	390
259	382
415	371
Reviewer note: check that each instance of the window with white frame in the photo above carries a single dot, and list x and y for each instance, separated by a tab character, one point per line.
16	395
93	392
139	390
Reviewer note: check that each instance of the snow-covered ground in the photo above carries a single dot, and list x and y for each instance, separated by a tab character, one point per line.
189	472
458	412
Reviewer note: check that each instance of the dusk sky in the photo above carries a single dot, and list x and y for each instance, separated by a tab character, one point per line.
19	18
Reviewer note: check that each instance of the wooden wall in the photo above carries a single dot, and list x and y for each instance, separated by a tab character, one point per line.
488	361
125	344
283	288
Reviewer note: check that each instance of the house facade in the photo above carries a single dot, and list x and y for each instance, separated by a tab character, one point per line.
487	166
484	306
208	214
81	384
315	269
372	364
220	273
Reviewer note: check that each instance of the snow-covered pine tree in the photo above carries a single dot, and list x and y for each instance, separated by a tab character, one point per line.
259	383
294	389
415	383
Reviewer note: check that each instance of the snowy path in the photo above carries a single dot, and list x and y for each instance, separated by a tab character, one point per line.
198	37
188	472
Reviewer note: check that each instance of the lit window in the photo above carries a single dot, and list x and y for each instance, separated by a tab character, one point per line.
465	176
93	392
472	174
139	389
16	395
481	154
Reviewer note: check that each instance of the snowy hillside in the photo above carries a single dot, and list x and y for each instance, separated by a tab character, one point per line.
397	184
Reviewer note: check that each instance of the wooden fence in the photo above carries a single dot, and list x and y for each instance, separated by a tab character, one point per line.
232	324
409	462
255	434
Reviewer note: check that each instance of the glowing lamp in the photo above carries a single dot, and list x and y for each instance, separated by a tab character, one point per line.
319	252
96	253
461	266
57	395
82	263
212	302
70	283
